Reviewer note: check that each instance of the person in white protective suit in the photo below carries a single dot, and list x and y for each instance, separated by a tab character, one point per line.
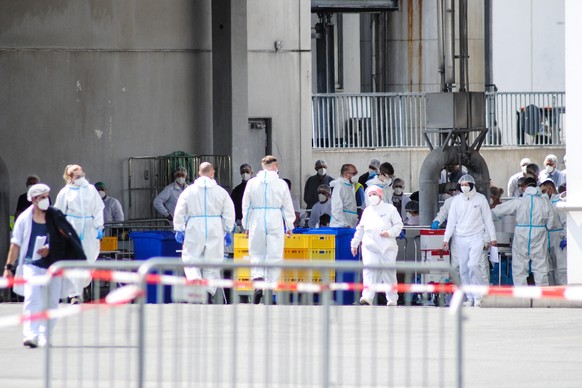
513	189
468	216
268	215
384	181
83	207
344	213
377	231
203	219
533	217
558	260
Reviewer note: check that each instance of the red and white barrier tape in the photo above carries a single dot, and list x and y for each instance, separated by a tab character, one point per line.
118	297
558	292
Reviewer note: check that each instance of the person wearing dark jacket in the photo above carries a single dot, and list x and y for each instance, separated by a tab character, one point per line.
246	173
310	195
41	237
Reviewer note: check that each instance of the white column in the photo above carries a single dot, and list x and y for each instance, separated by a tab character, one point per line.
574	137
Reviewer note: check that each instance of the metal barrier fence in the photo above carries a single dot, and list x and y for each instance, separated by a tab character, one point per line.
385	120
319	344
117	244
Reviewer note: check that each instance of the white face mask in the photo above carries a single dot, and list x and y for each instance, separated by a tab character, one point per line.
80	181
398	191
245	176
545	196
465	189
388	181
322	197
321	171
524	169
43	204
180	180
102	194
550	169
409	215
490	201
374	200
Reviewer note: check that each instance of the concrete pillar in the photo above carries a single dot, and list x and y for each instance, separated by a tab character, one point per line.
229	79
573	123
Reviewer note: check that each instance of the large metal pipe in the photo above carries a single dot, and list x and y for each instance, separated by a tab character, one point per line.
449	43
430	175
488	45
440	43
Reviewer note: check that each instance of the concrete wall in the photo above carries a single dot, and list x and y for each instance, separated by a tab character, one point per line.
96	82
502	163
528	45
280	81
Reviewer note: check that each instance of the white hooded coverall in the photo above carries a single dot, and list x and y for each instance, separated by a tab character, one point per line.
533	217
83	207
204	212
468	216
267	210
558	256
378	250
344	211
386	188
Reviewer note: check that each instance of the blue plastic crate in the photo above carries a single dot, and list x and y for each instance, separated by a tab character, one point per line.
343	251
150	244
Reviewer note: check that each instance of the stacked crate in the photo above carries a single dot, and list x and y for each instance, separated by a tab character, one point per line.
312	247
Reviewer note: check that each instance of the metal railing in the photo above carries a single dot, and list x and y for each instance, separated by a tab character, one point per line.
290	344
390	120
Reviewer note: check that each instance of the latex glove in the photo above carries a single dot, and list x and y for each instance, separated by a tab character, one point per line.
99	234
228	239
435	225
179	237
402	235
563	244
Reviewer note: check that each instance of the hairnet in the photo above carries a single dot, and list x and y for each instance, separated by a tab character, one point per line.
36	190
375	190
180	169
320	163
398	182
100	186
525	161
412	206
466	178
325	188
374	163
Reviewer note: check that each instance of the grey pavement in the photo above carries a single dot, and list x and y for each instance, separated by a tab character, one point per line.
210	346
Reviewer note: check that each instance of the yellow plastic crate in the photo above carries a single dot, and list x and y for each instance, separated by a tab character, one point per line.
297	241
108	244
321	255
242	274
321	241
295	254
241	241
240	253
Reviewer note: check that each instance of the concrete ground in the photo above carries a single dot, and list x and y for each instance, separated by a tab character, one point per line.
279	346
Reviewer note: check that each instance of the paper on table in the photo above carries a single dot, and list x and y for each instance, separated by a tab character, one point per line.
493	254
39	243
